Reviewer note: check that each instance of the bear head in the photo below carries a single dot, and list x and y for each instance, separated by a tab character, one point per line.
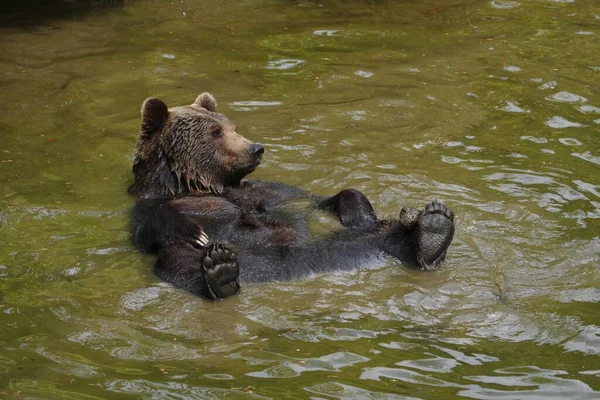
189	149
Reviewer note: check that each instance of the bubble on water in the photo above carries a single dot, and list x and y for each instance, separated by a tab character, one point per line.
512	68
451	160
562	1
548	85
595	68
566	97
474	168
547	151
474	148
284	64
589	109
504	4
219	377
470	137
597	121
71	271
168	56
537	80
513	107
358	115
454	144
364	74
58	237
557	122
570	142
326	32
535	139
584	33
516	155
473	95
340	77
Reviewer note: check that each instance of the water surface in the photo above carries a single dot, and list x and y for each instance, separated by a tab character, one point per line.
492	106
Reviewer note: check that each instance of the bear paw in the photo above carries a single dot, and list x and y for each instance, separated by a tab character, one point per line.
436	230
437	207
221	272
185	230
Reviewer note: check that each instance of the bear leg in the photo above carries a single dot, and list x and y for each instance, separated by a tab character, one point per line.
211	272
352	208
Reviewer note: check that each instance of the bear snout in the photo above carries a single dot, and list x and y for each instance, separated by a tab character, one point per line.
256	151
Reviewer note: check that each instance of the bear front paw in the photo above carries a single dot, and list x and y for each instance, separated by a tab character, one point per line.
221	272
185	230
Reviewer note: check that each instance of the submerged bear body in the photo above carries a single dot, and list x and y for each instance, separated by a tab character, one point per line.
213	231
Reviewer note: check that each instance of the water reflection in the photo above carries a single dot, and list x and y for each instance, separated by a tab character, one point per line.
537	383
25	13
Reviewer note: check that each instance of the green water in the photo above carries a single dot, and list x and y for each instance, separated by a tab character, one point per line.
492	106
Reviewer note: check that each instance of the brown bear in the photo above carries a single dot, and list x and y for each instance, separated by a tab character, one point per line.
214	230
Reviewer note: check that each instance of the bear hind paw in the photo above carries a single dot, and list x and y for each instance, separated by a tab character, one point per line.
435	233
221	272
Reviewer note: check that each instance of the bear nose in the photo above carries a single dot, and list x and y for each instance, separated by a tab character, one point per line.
256	150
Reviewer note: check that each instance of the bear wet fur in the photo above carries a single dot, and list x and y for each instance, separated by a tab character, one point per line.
213	231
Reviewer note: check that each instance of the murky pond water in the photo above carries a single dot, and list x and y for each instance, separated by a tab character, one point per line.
492	106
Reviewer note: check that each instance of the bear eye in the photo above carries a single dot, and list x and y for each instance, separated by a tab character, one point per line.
218	133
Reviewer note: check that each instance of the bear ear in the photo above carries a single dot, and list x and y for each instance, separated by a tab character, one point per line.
206	100
154	115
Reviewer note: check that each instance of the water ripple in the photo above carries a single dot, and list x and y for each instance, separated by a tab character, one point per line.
291	367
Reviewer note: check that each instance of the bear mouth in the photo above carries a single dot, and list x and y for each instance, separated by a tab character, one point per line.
255	163
253	167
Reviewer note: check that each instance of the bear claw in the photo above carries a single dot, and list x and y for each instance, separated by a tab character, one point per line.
221	272
437	207
202	239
